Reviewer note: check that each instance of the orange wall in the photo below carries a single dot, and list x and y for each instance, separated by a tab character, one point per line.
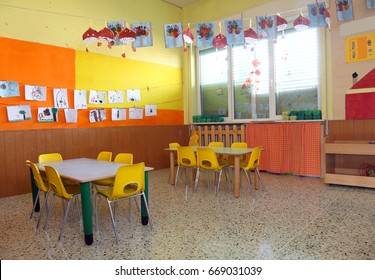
55	67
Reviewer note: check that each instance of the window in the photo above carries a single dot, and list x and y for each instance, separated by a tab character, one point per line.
263	80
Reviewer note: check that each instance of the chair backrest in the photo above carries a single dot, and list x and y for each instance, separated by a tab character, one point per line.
42	158
239	145
194	140
186	156
174	145
37	177
104	155
254	158
216	144
130	179
206	158
55	182
126	158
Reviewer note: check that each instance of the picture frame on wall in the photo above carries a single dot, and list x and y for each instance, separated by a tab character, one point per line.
344	10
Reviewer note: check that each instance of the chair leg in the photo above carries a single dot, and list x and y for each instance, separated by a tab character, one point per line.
186	182
219	180
196	179
112	219
42	210
260	179
49	212
65	216
248	179
176	177
36	201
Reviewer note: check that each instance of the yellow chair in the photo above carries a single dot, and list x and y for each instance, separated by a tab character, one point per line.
194	140
129	183
174	145
65	192
207	160
42	158
218	145
104	155
252	165
42	188
230	159
185	159
126	158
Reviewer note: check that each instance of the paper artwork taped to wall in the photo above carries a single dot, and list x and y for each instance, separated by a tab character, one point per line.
9	89
135	113
133	95
370	4
97	97
71	115
150	110
47	114
60	97
117	27
234	31
316	14
173	35
115	96
144	34
19	113
38	93
344	10
118	114
97	115
205	34
80	99
266	27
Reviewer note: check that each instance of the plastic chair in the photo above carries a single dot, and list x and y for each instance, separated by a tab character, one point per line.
230	159
129	183
252	165
65	192
207	160
42	188
43	158
185	159
194	140
174	145
219	145
104	155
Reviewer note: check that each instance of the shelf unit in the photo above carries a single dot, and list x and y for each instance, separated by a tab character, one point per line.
342	162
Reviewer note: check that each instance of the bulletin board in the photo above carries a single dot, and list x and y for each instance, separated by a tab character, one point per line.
360	48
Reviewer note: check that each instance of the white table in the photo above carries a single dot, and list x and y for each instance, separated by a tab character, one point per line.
84	171
235	152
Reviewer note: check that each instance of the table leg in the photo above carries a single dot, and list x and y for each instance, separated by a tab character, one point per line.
143	206
86	212
171	163
236	187
34	192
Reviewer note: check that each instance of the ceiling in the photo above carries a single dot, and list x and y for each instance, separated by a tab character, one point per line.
180	3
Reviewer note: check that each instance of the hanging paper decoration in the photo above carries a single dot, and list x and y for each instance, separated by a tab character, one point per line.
267	27
234	31
250	37
281	23
327	18
126	36
106	35
117	27
220	41
144	34
90	36
301	23
173	35
251	84
188	37
344	10
205	34
316	14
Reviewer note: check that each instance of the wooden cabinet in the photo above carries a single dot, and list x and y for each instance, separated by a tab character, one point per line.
343	161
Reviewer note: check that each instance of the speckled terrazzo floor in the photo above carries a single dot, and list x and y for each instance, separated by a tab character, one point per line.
294	218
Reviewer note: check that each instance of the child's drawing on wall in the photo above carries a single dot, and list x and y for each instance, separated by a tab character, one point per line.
60	96
19	113
80	101
9	89
37	93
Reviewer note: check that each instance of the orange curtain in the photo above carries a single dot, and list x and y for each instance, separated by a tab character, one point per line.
289	147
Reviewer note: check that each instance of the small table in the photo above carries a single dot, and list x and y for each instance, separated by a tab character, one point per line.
235	152
84	171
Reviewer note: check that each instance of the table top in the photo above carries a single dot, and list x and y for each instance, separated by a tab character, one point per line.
221	150
85	169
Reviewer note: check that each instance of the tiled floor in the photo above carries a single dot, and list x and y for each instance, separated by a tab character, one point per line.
294	218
